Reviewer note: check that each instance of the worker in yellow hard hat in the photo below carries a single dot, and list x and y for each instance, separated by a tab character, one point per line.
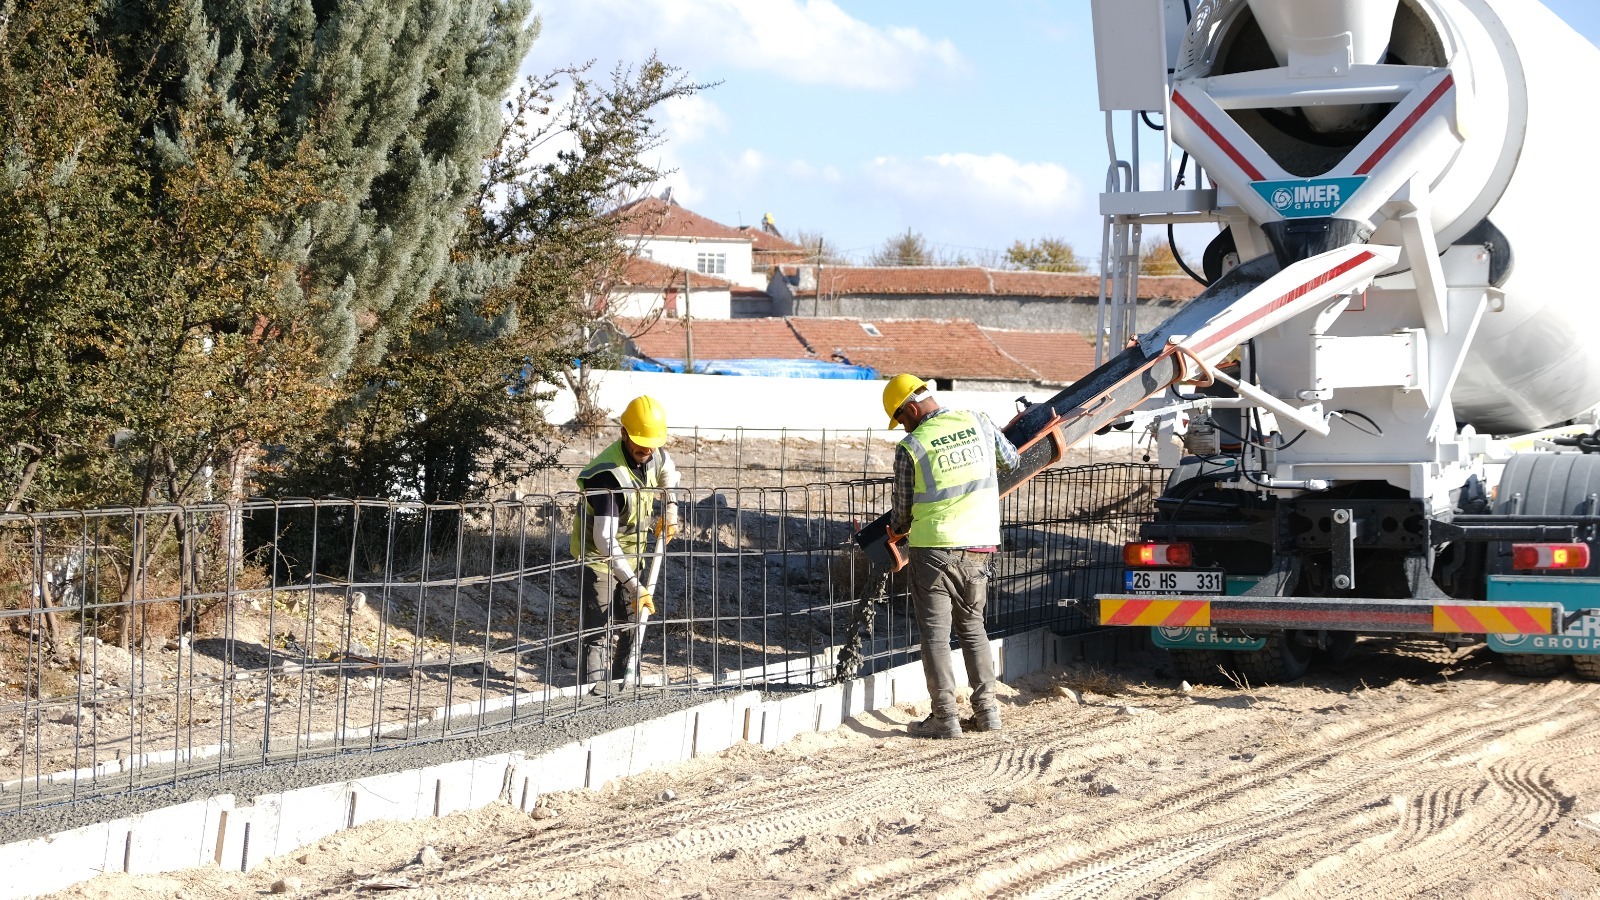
621	487
946	502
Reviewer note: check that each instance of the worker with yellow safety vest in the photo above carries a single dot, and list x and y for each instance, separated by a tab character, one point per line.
621	487
947	504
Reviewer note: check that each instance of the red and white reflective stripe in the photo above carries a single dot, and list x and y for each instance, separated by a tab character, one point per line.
1549	556
1152	554
1265	310
1409	122
1216	137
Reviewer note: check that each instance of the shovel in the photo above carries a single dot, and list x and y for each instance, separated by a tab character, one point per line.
640	617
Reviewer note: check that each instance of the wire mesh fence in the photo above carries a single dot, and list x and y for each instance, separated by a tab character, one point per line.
145	646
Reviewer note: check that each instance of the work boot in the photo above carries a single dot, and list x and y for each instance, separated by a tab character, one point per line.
986	719
937	727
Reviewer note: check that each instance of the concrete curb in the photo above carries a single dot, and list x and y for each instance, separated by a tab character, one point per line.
217	831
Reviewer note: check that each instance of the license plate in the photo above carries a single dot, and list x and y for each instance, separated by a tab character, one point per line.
1179	581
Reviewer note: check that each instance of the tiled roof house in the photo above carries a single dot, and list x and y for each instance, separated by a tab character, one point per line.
646	286
661	231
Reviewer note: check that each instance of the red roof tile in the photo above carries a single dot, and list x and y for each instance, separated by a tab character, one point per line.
767	242
1058	357
647	273
931	348
718	339
942	348
654	217
979	282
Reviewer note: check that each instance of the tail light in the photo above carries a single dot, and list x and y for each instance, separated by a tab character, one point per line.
1153	554
1549	556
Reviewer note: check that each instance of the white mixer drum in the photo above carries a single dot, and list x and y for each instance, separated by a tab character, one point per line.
1519	74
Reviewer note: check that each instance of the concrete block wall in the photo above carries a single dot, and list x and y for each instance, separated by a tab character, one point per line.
217	831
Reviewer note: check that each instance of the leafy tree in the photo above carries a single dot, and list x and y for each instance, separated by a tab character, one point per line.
824	250
70	235
1156	259
1047	254
908	249
452	408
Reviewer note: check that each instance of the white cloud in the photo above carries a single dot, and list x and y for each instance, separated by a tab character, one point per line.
998	181
753	162
973	201
688	119
811	42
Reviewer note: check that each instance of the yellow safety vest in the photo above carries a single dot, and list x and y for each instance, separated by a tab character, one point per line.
637	494
955	489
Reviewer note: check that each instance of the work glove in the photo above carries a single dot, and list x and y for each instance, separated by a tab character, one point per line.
667	526
666	530
645	602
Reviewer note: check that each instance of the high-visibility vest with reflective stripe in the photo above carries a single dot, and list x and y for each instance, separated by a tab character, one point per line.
637	494
956	492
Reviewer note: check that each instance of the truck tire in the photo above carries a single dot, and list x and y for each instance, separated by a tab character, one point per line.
1534	665
1548	484
1199	666
1586	667
1341	647
1282	659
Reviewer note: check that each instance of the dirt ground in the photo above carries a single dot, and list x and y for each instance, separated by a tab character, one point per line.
1408	771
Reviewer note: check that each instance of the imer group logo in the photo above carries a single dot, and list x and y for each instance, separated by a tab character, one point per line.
1308	197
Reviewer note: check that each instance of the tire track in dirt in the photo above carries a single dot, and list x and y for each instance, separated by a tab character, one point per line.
1514	803
1331	840
1342	799
1037	860
765	815
1235	809
762	814
1334	840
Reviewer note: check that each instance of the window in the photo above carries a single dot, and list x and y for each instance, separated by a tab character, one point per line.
871	329
711	263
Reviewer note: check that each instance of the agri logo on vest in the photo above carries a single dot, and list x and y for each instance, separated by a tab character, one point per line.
955	494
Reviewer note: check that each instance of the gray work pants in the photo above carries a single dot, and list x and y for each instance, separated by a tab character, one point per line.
950	588
599	622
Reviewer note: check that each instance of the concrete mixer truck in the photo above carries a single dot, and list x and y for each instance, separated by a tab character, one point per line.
1352	409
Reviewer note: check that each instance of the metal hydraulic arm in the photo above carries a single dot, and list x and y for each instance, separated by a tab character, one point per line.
1250	299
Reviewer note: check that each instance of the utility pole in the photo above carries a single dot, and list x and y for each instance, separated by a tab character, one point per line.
688	328
816	298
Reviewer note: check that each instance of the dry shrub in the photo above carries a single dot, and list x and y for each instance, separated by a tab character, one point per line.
1093	680
154	622
52	682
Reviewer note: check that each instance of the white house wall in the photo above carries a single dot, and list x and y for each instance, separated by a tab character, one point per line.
683	253
707	304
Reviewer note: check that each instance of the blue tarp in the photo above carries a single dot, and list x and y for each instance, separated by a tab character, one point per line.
775	368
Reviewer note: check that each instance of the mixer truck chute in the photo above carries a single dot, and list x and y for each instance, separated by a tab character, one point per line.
1390	307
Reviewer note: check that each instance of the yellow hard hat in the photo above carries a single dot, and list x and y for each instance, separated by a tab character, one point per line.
898	391
645	422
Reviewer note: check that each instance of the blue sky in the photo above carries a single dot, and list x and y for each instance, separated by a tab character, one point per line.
862	118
